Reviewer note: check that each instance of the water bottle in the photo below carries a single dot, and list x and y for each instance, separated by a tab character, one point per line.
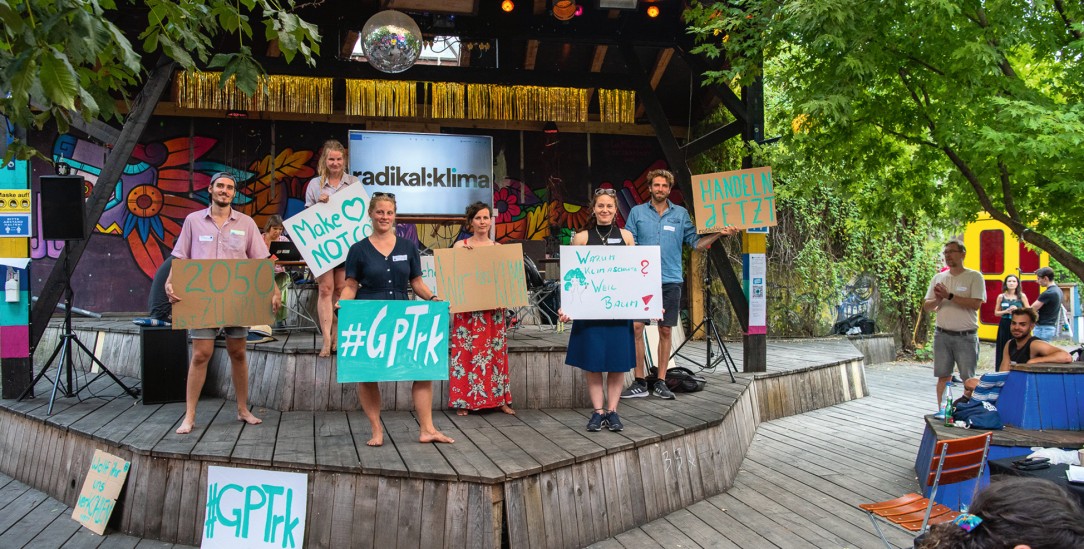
948	411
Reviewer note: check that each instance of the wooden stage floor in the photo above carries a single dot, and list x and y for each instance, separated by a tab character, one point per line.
803	476
515	468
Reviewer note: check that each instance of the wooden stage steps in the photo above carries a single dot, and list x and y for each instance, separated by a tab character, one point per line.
537	479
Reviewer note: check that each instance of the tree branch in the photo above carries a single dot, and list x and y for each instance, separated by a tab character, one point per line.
1059	7
1006	190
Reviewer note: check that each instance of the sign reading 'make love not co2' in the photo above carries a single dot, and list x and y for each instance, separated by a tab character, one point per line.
325	231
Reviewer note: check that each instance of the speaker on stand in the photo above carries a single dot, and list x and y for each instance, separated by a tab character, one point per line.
62	208
62	218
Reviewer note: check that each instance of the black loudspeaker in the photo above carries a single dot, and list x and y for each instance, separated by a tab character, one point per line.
165	364
62	207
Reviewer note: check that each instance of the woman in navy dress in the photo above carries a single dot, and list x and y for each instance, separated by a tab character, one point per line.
1011	298
381	267
602	346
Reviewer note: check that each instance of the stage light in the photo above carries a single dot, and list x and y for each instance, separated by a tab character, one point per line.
563	10
508	6
550	128
652	11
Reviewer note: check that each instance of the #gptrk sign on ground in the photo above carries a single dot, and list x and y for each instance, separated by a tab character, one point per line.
611	282
324	232
742	199
392	341
253	508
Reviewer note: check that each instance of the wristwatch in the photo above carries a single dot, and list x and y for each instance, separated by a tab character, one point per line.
950	296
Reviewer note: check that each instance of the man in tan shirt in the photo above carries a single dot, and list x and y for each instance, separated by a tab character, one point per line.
956	295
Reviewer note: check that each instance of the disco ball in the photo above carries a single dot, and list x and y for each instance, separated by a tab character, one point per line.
392	41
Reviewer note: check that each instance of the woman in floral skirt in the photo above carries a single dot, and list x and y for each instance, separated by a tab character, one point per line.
478	376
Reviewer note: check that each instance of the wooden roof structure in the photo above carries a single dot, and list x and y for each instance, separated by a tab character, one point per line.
602	48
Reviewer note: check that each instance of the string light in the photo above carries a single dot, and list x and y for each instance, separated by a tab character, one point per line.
508	6
563	10
652	11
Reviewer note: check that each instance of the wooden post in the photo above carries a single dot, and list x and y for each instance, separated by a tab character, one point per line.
142	109
755	340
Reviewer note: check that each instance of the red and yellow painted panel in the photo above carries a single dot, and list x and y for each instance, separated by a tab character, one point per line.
994	251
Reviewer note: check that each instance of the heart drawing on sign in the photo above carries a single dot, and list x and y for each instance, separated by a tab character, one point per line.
352	207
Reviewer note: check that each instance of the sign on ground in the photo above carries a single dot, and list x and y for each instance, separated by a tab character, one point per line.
253	508
100	490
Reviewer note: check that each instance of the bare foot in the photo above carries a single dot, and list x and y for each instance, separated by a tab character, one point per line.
435	436
508	409
461	412
377	440
326	351
186	427
248	418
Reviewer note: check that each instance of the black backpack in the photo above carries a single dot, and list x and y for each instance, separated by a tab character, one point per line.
679	379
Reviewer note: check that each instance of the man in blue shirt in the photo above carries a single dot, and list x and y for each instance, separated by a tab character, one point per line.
666	225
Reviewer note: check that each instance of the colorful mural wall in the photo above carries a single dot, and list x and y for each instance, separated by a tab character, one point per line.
540	194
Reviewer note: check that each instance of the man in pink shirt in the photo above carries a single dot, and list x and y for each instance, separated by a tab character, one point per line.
219	232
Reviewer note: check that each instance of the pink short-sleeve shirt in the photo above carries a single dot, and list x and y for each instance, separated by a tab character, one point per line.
201	238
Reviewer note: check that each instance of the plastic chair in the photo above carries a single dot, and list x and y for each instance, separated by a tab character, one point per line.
953	461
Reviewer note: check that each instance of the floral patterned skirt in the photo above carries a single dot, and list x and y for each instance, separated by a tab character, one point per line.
478	376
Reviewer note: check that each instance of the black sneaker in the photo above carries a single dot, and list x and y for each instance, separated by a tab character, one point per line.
662	391
636	390
614	422
595	423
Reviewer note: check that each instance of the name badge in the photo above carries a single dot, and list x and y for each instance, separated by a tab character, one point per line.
613	241
206	238
237	232
961	288
398	257
668	228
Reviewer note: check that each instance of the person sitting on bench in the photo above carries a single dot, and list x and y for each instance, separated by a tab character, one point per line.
1025	348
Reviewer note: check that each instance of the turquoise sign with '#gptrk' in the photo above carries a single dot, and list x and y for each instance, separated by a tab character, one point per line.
393	341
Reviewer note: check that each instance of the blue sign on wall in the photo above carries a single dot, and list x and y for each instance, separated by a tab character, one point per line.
13	225
393	341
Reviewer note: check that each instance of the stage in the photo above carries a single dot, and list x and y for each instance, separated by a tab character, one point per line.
537	479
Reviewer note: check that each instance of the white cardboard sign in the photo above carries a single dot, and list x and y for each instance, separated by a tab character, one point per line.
325	231
253	508
611	282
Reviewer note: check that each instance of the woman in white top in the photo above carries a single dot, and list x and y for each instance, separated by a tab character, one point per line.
332	178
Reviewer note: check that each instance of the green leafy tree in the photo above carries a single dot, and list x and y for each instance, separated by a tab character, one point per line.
949	106
61	59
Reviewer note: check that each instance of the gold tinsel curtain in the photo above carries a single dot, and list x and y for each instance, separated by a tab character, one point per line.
382	98
279	93
389	98
447	99
617	106
500	102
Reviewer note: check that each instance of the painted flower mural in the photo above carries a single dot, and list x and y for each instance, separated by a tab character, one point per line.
506	204
165	181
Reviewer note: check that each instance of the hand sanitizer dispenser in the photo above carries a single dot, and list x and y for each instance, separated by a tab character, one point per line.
11	287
